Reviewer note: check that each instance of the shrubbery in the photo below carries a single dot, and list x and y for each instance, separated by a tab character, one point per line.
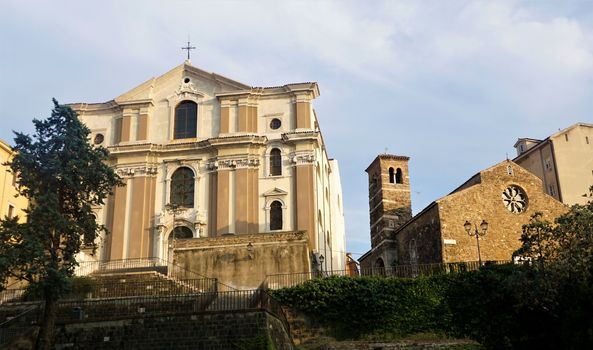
358	306
500	306
545	304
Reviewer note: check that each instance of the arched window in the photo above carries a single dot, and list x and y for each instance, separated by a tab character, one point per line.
413	252
398	176
181	232
182	188
186	120
276	216
379	267
391	176
275	162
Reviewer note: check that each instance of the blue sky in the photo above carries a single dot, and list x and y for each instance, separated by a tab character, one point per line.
452	84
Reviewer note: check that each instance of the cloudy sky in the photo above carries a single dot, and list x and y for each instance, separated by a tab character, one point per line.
452	84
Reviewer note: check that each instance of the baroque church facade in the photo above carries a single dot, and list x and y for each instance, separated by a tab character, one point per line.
204	157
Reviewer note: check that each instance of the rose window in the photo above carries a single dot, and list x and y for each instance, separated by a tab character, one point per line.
514	199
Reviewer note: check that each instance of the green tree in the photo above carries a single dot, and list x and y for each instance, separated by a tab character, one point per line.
565	247
538	244
63	177
560	276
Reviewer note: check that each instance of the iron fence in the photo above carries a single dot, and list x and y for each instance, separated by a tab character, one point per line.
105	309
11	295
19	324
125	265
277	281
156	287
163	305
167	268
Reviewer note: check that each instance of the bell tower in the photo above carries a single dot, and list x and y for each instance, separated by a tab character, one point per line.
390	204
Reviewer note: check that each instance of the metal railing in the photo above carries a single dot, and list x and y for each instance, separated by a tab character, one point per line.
167	268
19	324
277	281
140	306
11	295
103	309
147	288
86	268
119	289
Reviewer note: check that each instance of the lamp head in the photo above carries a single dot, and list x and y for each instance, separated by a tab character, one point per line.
484	226
467	226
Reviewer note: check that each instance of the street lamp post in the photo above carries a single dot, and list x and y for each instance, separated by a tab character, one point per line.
477	233
321	260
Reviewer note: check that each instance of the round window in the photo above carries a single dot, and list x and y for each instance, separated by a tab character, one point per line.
186	80
98	139
275	124
514	199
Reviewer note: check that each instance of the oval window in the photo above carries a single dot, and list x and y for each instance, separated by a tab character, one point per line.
275	124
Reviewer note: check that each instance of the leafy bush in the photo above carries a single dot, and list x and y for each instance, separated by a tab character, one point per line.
500	306
354	306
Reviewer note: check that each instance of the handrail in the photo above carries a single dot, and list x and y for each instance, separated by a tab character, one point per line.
173	270
90	309
283	280
8	295
17	317
9	329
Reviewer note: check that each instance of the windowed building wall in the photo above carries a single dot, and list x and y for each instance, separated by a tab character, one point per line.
216	157
10	204
563	161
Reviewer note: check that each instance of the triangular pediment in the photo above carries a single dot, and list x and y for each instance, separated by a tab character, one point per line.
275	192
205	83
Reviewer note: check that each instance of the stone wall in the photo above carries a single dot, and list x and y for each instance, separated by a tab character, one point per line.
484	202
244	261
438	230
221	330
419	241
386	251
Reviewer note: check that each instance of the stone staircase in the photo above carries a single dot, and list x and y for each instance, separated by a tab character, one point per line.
151	283
128	300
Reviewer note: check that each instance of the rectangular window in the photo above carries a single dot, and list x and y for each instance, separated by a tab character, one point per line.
118	126
10	210
548	164
587	139
566	137
551	190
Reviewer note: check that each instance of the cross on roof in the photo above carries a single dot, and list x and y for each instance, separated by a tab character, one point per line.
188	47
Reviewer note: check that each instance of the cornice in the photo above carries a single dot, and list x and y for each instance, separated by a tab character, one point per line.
241	239
303	157
149	169
233	162
304	135
180	145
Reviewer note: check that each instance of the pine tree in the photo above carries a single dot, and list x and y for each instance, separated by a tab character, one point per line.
63	177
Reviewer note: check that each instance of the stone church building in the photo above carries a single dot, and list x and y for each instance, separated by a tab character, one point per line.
504	196
219	175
